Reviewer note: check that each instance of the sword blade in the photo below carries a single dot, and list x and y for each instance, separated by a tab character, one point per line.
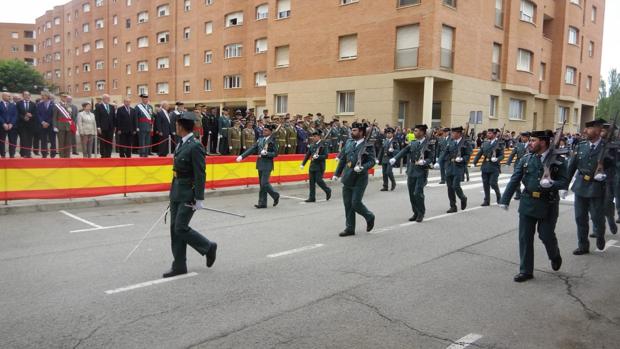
147	233
223	212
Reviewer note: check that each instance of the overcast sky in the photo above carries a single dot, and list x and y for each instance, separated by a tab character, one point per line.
25	11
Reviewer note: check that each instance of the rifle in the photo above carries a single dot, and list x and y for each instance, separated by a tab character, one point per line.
554	152
428	141
318	149
607	143
364	143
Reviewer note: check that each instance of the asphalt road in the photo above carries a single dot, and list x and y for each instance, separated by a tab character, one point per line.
284	279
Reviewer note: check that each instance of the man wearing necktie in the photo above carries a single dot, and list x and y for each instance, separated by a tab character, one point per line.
62	126
8	123
104	115
125	124
162	128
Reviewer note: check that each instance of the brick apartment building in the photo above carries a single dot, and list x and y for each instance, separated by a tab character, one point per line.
520	63
17	42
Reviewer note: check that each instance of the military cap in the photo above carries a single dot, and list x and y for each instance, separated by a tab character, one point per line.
546	134
596	123
422	127
144	95
526	133
237	111
494	130
63	94
389	130
457	129
179	103
446	129
270	127
309	114
188	115
359	125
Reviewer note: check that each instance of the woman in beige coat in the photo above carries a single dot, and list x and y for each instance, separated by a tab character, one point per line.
87	127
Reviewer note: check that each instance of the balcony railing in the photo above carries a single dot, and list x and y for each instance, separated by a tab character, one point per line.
407	58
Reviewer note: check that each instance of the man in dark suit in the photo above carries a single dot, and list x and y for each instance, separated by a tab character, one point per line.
126	125
104	115
8	125
162	128
45	111
26	124
73	110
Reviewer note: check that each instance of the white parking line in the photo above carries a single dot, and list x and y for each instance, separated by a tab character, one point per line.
297	250
150	283
80	219
101	228
478	185
465	341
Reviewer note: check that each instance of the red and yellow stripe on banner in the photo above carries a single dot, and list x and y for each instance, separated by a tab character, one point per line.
73	178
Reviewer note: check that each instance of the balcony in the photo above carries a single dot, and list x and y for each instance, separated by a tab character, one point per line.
407	58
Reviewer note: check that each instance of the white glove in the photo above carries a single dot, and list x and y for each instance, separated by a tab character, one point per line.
494	159
238	159
263	152
56	130
336	159
436	166
315	156
599	177
421	163
199	205
334	178
459	159
358	169
392	161
301	167
377	162
503	207
219	136
546	183
563	194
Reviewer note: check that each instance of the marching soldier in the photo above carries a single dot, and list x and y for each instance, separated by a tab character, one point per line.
456	155
248	137
354	161
492	152
443	138
539	206
291	136
519	152
267	149
317	154
589	188
145	117
610	184
186	196
234	138
388	150
420	154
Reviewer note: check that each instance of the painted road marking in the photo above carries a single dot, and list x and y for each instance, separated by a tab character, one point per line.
297	250
80	219
102	228
150	283
93	225
291	197
465	341
608	244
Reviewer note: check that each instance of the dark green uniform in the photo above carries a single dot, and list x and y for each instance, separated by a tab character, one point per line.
264	165
518	152
291	139
442	144
490	170
188	185
387	151
455	171
417	174
317	168
589	194
538	208
334	138
354	183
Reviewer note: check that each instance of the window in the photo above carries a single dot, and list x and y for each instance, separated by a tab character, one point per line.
260	78
573	35
408	2
15	35
99	23
593	14
143	89
128	23
56	20
86	87
115	41
129	4
114	84
543	72
516	110
493	107
128	46
234	19
128	91
524	60
348	46
447	54
563	114
99	44
346	2
407	45
589	83
186	60
451	3
499	13
163	10
186	32
284	9
100	85
262	11
495	62
85	28
207	84
56	56
187	5
56	39
163	37
115	20
281	104
128	69
209	2
346	102
86	48
528	10
85	67
98	3
261	45
569	78
233	50
143	66
163	63
209	56
208	27
232	81
162	88
576	2
114	63
86	7
143	41
591	49
57	73
282	56
186	87
143	17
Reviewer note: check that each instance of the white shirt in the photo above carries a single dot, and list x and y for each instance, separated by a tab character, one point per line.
187	137
595	144
359	141
544	155
166	113
458	140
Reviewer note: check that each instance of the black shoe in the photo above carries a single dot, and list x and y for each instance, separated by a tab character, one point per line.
370	224
328	195
468	179
463	204
451	210
442	182
413	218
260	206
310	200
276	200
420	218
517	197
618	220
384	189
346	233
592	235
556	263
600	243
613	228
498	199
485	203
171	273
211	255
393	187
523	277
580	251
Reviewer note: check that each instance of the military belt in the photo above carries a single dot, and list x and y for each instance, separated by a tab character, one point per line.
586	177
538	194
177	174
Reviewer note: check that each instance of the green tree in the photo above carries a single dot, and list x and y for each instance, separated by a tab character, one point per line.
17	76
609	96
